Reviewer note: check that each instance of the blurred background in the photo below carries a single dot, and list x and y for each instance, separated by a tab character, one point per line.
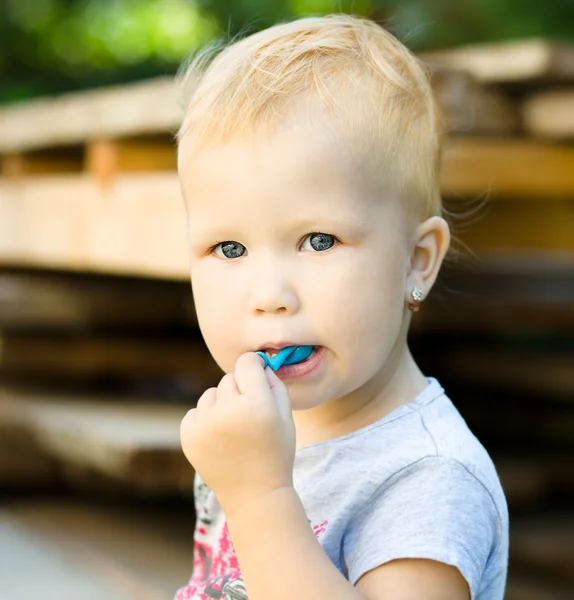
100	353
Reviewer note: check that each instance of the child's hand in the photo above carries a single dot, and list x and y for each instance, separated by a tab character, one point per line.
241	436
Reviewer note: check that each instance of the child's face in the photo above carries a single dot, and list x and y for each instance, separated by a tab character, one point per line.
343	291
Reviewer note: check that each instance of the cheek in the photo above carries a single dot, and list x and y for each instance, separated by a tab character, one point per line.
216	317
365	311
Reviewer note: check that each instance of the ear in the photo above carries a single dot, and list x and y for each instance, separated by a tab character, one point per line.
429	245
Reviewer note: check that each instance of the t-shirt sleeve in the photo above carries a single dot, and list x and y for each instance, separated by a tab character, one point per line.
434	509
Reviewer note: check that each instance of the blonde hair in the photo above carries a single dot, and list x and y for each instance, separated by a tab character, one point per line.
366	82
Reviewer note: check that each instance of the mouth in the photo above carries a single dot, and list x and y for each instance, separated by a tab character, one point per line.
271	349
310	367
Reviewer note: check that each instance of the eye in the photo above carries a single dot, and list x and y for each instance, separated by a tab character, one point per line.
319	242
229	249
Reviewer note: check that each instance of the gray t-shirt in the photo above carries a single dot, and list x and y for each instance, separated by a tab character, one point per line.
416	484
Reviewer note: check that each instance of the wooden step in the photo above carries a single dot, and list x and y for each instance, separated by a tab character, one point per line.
135	444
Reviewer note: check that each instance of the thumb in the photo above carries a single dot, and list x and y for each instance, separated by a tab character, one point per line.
280	393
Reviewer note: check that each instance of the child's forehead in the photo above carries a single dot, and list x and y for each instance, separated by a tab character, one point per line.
296	158
304	173
278	180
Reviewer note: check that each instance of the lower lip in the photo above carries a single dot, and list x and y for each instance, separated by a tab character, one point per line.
306	367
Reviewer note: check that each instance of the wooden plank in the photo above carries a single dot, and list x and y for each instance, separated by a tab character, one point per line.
34	301
135	226
136	443
524	231
531	588
153	107
550	114
470	107
526	482
541	372
527	421
40	163
524	61
80	357
148	107
106	158
501	295
509	168
544	546
22	462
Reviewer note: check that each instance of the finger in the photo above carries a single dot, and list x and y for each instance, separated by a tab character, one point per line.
227	385
207	399
250	376
280	393
186	429
187	422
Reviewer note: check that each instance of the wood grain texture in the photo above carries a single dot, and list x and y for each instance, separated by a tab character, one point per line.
531	293
508	168
512	370
545	546
550	114
149	107
155	107
82	357
135	224
70	302
135	443
468	107
106	158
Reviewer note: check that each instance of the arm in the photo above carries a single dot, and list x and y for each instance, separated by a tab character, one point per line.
241	439
281	559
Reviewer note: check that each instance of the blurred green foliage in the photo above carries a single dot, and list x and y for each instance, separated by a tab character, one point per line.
49	46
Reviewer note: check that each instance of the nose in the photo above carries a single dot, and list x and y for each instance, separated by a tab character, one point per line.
271	291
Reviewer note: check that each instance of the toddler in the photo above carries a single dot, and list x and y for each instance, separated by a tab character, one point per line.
309	163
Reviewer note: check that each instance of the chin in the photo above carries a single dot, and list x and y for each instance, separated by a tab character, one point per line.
304	403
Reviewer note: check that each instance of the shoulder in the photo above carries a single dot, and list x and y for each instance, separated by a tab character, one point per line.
436	483
433	509
457	450
423	441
